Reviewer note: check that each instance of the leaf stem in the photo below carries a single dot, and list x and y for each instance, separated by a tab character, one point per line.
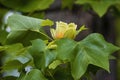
46	36
51	75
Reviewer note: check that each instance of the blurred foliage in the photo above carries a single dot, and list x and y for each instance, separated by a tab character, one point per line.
2	13
27	5
67	3
99	6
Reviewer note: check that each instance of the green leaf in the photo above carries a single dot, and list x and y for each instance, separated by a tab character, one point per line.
54	64
100	7
11	51
2	48
22	56
65	49
16	20
67	3
16	57
47	22
39	15
92	50
24	29
41	55
2	13
27	5
34	74
22	75
11	65
3	36
62	72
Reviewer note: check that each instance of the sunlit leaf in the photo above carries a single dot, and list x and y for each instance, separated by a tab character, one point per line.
47	22
54	64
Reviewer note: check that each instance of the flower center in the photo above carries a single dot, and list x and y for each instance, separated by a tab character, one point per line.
59	35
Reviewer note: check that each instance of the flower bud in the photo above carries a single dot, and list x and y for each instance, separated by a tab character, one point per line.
64	30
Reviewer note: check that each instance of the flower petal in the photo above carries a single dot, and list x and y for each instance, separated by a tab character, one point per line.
61	27
53	32
72	25
70	33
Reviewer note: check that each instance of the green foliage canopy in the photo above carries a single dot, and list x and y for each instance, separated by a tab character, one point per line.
91	50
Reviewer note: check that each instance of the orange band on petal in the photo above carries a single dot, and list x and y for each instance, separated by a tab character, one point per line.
59	35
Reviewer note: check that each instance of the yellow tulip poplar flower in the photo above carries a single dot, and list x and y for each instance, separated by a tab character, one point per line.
64	30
